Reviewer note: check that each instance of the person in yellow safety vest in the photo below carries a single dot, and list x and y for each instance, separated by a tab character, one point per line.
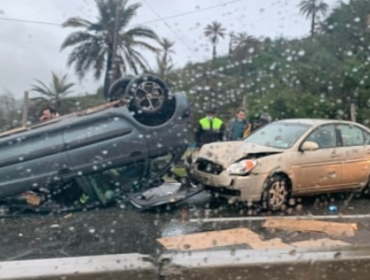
210	129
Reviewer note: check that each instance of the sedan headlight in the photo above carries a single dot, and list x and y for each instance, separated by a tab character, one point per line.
241	167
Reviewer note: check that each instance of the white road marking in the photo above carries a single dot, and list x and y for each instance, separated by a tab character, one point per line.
262	218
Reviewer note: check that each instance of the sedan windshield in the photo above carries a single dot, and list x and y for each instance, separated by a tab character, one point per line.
278	135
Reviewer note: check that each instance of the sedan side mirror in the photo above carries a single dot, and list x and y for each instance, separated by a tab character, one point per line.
309	146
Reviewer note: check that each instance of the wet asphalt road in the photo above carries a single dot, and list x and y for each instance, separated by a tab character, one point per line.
120	230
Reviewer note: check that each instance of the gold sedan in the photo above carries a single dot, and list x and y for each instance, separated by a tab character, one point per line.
285	159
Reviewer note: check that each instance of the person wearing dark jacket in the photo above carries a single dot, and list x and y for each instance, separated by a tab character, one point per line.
237	128
210	129
261	121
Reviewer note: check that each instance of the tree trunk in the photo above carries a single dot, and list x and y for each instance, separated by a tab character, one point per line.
214	51
108	75
313	22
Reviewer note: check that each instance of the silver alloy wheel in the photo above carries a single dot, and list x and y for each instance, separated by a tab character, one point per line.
149	96
277	194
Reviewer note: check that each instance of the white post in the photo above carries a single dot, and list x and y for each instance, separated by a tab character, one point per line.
25	109
245	103
353	112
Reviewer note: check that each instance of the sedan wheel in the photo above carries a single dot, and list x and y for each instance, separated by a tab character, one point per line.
277	193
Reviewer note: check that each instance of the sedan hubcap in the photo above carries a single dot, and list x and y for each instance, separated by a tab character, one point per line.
277	194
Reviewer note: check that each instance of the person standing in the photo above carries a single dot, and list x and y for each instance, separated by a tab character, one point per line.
210	129
261	121
238	128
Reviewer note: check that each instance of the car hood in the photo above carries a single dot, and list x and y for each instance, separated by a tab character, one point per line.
226	153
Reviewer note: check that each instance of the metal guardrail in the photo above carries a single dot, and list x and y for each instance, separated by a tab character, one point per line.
341	264
125	266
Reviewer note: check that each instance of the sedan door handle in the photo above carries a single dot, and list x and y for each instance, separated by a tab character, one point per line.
334	156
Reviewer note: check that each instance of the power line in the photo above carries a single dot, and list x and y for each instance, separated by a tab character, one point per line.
30	21
193	12
168	26
151	21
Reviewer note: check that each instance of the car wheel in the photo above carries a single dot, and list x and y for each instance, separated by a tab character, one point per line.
277	193
118	91
366	189
149	94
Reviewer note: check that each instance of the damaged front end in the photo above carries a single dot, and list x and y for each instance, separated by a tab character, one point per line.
233	169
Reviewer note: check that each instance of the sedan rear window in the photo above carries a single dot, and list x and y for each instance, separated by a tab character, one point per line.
278	135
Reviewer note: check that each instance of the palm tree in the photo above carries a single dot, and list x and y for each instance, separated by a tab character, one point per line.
311	8
231	42
108	44
55	92
164	60
244	43
214	32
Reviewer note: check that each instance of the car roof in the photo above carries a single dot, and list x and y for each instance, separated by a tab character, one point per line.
315	122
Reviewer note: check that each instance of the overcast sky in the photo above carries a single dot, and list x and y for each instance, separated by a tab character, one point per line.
31	51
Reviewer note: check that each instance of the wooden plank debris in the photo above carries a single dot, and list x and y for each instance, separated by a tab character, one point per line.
207	240
330	228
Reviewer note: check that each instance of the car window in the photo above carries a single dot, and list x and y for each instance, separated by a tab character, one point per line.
278	135
366	136
325	136
351	135
116	181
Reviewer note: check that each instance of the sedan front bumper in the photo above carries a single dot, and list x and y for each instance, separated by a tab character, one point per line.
250	186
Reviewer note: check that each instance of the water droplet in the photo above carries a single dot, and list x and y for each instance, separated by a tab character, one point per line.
301	53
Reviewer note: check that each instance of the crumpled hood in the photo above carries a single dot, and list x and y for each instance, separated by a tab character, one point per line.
226	153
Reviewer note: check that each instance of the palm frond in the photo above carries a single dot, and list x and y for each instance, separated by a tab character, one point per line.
76	38
77	22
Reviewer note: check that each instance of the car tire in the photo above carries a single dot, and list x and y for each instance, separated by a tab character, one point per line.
277	193
118	91
148	93
366	190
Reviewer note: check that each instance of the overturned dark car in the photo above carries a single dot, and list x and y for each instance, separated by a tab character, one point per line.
98	155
